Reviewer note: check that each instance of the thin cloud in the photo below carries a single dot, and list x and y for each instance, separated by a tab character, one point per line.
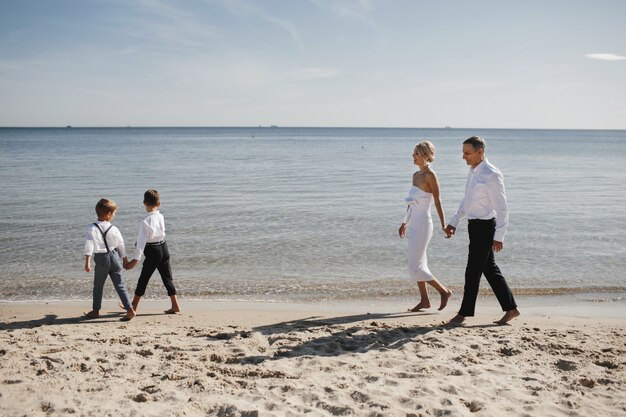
355	9
172	25
242	8
606	57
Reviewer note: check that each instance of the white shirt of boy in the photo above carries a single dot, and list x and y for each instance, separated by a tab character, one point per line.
151	230
95	244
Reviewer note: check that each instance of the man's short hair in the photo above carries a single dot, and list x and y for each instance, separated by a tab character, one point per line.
151	198
105	206
476	141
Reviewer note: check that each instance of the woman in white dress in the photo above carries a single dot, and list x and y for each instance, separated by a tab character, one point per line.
418	224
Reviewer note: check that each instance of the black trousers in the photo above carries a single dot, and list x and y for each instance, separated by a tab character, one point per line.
157	257
480	260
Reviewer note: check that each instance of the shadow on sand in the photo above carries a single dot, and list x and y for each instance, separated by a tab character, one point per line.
341	335
54	320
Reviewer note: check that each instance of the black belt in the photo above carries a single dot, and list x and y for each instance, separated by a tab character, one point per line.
155	243
481	220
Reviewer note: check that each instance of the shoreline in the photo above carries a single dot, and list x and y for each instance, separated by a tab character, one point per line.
562	305
379	291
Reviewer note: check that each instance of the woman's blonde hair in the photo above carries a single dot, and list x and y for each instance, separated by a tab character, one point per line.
426	150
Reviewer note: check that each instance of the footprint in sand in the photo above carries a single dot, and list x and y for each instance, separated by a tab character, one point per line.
607	364
565	365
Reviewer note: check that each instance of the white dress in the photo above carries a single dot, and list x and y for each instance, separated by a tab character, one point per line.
419	232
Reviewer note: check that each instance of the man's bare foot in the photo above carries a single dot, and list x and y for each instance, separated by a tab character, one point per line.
508	316
444	299
420	306
457	320
172	311
93	314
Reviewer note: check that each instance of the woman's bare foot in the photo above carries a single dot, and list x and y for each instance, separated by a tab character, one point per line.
93	314
172	311
445	296
420	306
508	316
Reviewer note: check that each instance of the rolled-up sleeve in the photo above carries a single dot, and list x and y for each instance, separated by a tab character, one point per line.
121	248
460	213
89	243
142	238
495	189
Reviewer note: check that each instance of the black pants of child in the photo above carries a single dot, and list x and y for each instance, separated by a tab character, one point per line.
157	258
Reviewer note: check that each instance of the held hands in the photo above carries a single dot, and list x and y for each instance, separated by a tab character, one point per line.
402	231
130	265
449	231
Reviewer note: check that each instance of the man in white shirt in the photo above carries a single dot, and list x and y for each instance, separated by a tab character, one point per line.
485	207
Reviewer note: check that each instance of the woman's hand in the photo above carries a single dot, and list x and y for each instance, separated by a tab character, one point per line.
402	230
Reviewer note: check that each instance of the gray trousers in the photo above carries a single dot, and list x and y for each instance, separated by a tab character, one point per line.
109	264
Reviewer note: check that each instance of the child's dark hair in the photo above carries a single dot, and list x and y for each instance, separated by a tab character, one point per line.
151	198
105	206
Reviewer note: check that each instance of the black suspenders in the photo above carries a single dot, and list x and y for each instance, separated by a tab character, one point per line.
104	235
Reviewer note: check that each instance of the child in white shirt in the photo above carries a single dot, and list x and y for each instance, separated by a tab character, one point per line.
105	242
151	243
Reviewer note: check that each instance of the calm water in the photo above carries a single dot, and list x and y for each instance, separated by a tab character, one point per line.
304	214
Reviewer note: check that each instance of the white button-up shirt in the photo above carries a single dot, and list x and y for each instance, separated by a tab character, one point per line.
151	230
484	198
95	244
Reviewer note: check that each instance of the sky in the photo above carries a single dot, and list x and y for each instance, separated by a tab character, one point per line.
546	64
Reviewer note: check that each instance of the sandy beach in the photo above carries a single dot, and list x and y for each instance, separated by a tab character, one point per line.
261	359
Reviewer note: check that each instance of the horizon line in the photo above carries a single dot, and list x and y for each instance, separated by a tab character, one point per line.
298	127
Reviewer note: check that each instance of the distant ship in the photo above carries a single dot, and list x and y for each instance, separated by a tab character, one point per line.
447	127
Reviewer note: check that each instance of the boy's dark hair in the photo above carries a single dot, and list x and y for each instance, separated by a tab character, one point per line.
105	206
476	141
151	198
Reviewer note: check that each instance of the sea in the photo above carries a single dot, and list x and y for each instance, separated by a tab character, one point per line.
306	214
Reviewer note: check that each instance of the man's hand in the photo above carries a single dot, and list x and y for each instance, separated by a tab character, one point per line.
497	246
449	231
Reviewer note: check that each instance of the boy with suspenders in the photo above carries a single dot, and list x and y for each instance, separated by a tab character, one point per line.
105	242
